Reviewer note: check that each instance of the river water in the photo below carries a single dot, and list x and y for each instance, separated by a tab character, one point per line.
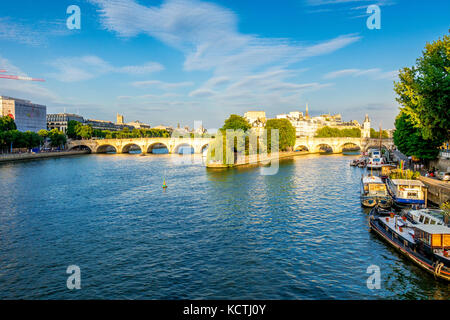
236	234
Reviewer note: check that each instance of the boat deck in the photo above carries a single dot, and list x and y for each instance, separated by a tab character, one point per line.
407	231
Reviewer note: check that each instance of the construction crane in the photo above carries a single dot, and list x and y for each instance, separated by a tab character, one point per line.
12	77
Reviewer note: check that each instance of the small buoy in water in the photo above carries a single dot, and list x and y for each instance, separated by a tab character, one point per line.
164	184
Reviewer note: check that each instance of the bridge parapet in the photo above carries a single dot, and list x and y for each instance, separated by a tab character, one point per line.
146	145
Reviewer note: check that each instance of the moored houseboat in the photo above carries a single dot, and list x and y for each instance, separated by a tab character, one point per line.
426	245
406	192
426	216
374	192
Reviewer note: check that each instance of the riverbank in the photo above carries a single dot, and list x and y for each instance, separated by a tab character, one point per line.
438	191
256	159
31	156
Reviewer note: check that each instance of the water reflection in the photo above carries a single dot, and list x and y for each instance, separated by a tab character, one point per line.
236	234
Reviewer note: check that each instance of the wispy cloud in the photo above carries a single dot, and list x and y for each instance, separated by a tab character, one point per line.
36	34
208	35
335	2
162	84
246	69
28	89
374	73
72	69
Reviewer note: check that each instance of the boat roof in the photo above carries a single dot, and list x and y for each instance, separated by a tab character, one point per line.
433	228
408	182
371	179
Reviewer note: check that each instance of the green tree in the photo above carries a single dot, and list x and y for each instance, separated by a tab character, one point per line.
57	138
328	132
236	122
84	131
43	133
376	134
7	123
286	133
71	129
409	139
424	92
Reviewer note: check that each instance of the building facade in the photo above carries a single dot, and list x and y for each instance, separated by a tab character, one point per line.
307	126
366	127
256	118
60	121
28	116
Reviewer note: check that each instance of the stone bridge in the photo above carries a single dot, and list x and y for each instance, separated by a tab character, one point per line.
145	144
314	145
173	145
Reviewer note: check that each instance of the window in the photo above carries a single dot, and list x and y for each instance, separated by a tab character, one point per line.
421	219
427	220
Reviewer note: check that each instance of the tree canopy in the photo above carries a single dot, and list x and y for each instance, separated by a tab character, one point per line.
7	123
11	137
376	134
327	132
286	133
71	129
424	94
236	122
409	139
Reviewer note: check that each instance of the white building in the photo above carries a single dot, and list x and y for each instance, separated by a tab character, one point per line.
366	127
256	118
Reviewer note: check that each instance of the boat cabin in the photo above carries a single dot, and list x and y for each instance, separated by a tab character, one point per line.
373	185
408	189
434	236
427	216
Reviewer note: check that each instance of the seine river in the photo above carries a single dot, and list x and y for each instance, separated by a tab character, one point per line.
299	234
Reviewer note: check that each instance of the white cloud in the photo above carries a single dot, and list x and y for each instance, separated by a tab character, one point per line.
208	35
36	35
246	70
74	69
162	84
24	89
374	73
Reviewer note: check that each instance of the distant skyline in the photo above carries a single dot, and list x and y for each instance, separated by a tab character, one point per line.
180	61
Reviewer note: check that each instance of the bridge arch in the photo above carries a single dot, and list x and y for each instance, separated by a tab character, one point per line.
301	147
349	146
107	148
204	147
131	148
375	146
157	146
323	147
182	148
80	147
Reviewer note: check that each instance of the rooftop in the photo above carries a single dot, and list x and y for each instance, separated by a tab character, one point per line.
408	182
433	228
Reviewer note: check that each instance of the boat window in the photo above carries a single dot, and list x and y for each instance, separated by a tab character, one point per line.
432	221
427	220
421	219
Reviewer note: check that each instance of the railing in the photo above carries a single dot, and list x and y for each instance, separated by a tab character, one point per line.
444	154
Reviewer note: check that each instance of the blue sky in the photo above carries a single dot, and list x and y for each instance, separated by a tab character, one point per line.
180	61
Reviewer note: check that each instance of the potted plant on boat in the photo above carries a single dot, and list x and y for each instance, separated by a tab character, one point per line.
446	211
